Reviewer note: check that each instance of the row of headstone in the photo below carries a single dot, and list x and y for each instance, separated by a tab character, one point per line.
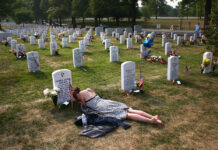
78	52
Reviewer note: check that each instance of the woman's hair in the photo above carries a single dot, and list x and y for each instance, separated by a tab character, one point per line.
75	92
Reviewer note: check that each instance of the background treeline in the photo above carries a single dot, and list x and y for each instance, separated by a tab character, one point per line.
55	11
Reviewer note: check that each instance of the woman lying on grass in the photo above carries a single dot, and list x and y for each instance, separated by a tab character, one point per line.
91	103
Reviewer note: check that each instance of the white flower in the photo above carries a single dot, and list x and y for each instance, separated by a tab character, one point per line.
54	93
46	92
56	89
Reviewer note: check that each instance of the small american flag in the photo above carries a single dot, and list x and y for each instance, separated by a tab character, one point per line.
187	70
141	81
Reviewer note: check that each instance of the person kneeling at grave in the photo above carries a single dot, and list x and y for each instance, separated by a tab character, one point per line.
91	103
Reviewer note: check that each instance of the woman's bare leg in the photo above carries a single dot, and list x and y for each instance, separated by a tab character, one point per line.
138	117
142	113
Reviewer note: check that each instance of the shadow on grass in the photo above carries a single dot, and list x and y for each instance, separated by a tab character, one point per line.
39	75
86	69
64	113
192	85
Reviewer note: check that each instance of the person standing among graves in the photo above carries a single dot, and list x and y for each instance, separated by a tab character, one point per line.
91	103
197	29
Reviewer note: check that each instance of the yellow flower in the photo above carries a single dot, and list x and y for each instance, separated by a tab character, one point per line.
206	61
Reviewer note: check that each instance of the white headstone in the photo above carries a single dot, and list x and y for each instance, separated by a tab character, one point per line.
128	81
171	35
114	54
82	46
128	30
191	38
62	79
195	36
164	40
32	40
122	39
174	37
109	31
52	38
20	48
107	44
117	36
41	43
119	30
129	43
98	30
113	34
53	48
172	68
129	35
178	40
71	39
143	51
185	36
74	36
9	39
208	55
125	34
65	42
33	61
13	44
138	28
77	57
168	48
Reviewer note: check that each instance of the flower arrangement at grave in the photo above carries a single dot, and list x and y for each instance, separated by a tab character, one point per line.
13	51
156	59
52	93
36	35
55	50
20	54
139	86
173	53
24	39
184	42
203	39
5	42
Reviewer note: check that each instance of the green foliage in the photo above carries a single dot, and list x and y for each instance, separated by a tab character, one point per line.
6	8
212	30
23	16
145	12
59	9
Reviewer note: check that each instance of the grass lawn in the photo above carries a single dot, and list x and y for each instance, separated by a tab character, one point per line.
30	121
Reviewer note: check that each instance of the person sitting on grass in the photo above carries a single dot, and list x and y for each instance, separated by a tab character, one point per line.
91	103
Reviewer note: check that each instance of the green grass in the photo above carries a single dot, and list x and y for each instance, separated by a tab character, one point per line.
30	121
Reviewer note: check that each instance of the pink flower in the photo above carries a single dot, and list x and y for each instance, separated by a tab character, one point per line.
46	92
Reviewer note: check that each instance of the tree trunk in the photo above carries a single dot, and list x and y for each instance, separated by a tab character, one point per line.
0	25
50	22
207	12
117	21
96	21
134	2
60	21
108	19
73	19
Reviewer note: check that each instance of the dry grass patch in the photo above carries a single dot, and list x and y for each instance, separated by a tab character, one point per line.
54	64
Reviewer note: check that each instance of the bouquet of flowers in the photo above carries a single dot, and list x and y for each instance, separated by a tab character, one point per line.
53	93
206	62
